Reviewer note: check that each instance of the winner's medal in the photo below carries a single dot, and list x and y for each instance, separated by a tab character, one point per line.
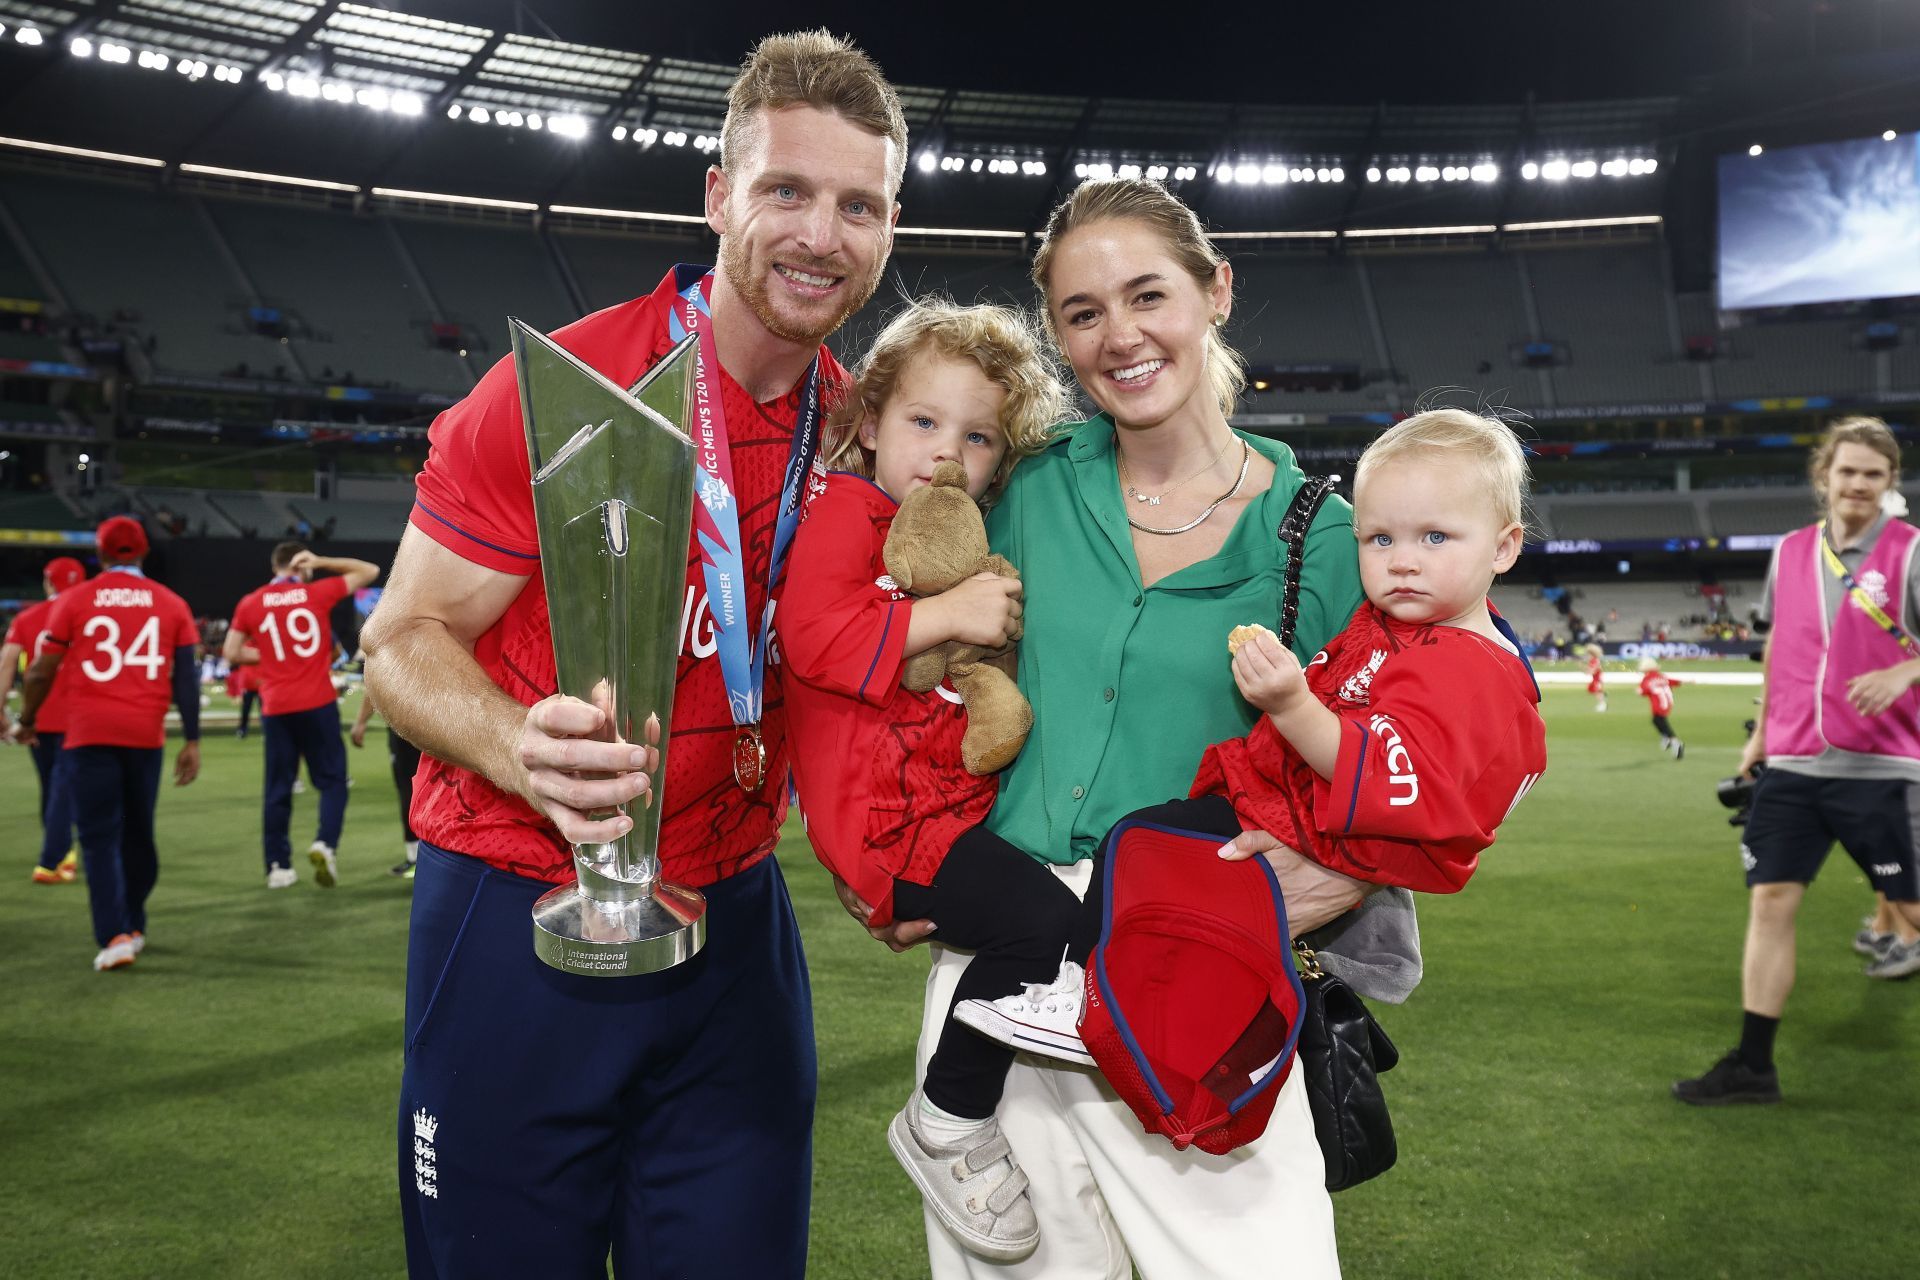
749	758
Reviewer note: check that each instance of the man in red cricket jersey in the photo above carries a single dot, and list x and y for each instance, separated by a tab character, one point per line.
286	629
549	1118
58	864
128	643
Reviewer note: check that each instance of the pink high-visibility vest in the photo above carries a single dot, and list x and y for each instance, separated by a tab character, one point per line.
1807	708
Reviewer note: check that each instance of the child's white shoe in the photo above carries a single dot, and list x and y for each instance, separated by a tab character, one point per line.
1042	1019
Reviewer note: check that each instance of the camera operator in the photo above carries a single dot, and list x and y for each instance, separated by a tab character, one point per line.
1839	732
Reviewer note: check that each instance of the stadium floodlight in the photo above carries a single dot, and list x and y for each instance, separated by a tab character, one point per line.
1755	149
334	92
674	138
1373	173
80	47
28	36
1185	173
453	113
1485	171
572	126
303	86
1529	171
479	115
1584	169
928	162
1426	173
534	122
1273	175
1246	173
1888	136
1555	170
1129	171
115	53
1336	174
976	166
1040	168
619	133
373	99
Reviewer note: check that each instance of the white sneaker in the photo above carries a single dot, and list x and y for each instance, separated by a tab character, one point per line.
974	1187
282	878
117	954
1042	1019
299	787
325	868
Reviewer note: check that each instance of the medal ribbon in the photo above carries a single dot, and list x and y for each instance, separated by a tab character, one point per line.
716	525
1861	598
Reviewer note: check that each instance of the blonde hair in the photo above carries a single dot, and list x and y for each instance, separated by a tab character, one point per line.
1002	342
1147	202
1871	432
1487	443
822	71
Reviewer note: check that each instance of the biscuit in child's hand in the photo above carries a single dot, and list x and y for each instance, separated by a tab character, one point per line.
1240	635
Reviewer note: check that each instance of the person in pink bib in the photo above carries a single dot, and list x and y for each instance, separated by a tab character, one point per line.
1840	736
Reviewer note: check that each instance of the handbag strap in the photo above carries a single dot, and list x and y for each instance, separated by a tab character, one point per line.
1307	500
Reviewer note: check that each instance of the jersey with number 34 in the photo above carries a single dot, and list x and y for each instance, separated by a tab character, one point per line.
288	622
119	633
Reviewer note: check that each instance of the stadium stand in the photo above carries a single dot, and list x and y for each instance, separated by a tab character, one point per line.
1608	303
1295	310
1791	358
612	268
482	274
1618	516
265	514
1761	511
35	511
352	301
1445	315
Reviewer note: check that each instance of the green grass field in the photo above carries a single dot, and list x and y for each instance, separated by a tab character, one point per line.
225	1107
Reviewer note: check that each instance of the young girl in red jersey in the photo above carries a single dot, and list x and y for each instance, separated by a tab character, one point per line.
1397	751
888	805
1596	683
1657	687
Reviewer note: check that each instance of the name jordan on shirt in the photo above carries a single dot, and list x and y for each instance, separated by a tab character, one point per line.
123	598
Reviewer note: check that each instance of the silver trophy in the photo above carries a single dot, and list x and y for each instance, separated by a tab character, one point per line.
613	499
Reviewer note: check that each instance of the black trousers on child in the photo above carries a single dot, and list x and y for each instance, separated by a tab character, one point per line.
1019	920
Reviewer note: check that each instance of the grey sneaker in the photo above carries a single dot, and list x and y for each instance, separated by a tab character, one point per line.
1874	946
975	1189
1902	960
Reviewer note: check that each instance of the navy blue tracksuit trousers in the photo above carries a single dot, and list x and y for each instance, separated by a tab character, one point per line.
115	790
312	735
56	800
548	1119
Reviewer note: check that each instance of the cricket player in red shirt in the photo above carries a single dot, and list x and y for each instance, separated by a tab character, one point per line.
1596	677
549	1119
128	644
59	863
286	629
1657	688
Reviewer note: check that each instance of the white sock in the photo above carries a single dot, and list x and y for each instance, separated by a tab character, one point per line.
943	1128
413	851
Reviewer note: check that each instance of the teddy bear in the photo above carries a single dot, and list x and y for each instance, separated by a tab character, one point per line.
937	541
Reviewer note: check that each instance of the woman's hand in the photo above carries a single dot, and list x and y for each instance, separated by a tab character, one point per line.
899	936
1314	894
1268	674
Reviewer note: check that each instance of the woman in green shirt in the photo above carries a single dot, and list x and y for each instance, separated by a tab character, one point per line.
1143	536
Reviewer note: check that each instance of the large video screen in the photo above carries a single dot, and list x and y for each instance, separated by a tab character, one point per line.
1826	223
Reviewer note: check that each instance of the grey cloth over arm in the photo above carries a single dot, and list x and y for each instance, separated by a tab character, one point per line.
1375	949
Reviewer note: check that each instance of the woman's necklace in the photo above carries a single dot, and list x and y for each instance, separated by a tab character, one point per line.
1154	500
1246	460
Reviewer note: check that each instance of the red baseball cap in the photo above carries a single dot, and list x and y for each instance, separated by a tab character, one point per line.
120	538
1192	1003
63	572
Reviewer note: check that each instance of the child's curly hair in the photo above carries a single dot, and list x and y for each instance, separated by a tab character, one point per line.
1004	343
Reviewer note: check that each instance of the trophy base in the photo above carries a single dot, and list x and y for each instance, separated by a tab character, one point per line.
576	934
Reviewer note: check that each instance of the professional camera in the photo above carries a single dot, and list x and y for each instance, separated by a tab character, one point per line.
1736	793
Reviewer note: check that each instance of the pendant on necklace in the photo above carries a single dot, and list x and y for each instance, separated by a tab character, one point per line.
1146	498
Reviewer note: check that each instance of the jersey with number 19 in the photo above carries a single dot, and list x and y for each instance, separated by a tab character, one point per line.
289	622
119	632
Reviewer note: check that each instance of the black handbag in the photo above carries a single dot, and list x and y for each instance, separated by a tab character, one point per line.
1341	1050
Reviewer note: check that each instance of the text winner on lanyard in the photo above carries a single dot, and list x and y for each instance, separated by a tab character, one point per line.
743	658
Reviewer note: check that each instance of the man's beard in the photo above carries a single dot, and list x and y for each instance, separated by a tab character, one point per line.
753	290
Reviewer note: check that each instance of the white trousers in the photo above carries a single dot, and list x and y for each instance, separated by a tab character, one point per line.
1111	1197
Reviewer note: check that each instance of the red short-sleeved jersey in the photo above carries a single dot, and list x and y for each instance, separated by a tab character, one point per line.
29	630
1657	688
878	768
474	497
119	632
290	622
1440	737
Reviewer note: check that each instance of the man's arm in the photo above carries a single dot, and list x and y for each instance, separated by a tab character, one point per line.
1756	750
34	690
235	649
421	670
358	734
9	663
358	573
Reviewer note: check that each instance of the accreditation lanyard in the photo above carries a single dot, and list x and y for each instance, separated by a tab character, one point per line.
743	660
1861	598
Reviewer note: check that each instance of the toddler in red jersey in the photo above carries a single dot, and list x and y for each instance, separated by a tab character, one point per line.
1657	687
888	805
1596	677
1397	750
